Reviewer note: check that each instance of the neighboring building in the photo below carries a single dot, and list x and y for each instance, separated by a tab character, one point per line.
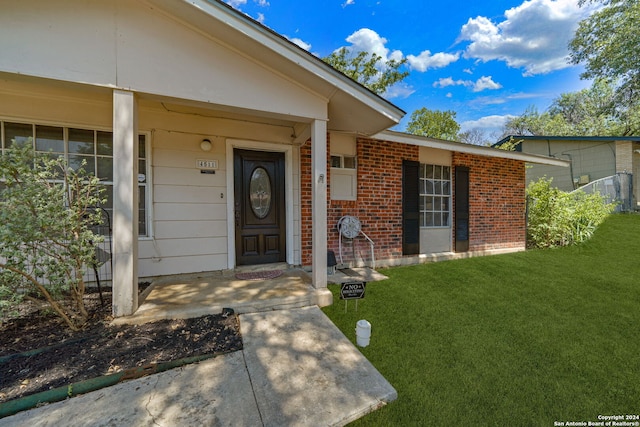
224	144
590	158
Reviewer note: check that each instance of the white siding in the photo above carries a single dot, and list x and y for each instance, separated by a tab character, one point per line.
129	45
59	40
188	210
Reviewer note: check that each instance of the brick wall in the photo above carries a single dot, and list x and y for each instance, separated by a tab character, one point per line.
379	204
496	202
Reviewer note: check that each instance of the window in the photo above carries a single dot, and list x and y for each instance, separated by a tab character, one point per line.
343	162
344	177
435	195
91	149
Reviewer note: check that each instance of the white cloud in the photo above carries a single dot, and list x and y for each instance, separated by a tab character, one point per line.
425	60
399	90
301	43
448	81
492	100
236	3
348	3
260	18
368	40
487	123
485	83
534	36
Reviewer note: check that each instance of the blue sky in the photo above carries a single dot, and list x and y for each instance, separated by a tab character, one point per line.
485	60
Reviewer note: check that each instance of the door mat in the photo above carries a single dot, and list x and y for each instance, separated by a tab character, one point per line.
259	275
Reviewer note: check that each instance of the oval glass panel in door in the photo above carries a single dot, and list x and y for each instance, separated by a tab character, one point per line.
260	192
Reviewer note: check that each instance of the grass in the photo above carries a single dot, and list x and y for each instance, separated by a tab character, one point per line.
521	339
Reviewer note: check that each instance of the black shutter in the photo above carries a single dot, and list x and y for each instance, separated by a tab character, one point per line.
462	208
410	207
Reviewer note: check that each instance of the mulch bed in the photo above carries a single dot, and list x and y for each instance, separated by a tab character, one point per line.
58	356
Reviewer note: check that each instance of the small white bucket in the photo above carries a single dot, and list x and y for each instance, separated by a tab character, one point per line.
363	333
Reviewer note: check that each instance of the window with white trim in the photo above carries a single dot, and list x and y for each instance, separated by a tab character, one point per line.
435	195
76	145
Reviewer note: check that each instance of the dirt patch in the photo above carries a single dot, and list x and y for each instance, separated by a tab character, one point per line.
38	353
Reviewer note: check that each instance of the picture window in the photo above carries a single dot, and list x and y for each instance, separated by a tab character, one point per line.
81	148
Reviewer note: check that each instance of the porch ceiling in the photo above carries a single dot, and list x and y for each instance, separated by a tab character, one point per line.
223	112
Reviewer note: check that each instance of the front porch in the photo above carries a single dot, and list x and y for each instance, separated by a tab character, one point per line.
192	295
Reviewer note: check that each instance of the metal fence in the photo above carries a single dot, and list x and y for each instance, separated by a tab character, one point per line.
616	188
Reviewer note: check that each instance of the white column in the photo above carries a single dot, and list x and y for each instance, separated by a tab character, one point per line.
319	202
125	203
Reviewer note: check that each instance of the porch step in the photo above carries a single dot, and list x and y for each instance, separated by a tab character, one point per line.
253	268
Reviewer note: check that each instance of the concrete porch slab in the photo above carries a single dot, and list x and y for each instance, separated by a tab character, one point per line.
186	296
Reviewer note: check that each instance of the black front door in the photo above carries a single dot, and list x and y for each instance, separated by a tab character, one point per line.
259	193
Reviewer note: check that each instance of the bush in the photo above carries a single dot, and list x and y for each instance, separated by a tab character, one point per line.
46	210
558	218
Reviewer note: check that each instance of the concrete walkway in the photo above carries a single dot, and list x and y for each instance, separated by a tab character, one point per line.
296	369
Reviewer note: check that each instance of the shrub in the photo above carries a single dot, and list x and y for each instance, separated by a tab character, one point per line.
45	236
558	218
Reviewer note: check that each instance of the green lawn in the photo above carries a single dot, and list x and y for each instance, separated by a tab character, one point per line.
521	339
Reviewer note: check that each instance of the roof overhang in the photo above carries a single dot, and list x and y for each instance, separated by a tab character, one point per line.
351	106
460	147
519	138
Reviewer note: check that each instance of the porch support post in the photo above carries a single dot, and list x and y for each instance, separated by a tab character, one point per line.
125	204
319	205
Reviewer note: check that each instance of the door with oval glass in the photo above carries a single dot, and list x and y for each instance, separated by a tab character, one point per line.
259	191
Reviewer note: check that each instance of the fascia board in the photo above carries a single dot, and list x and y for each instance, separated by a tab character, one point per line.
468	148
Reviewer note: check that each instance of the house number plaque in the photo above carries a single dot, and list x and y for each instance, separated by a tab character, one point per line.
206	164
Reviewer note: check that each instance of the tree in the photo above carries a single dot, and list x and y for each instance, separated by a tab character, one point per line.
368	69
434	124
45	236
608	43
474	136
590	112
531	122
